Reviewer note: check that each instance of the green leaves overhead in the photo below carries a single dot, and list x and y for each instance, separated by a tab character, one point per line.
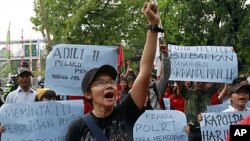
208	22
109	22
101	22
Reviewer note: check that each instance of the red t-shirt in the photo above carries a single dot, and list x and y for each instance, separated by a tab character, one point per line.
177	102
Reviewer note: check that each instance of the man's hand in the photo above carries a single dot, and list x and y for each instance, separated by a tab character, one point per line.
199	117
163	48
150	11
187	129
1	129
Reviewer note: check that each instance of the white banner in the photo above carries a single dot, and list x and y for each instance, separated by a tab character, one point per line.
39	121
203	63
160	125
215	126
67	64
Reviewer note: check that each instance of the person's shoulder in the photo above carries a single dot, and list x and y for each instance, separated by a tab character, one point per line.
15	91
75	129
78	121
226	110
33	90
248	109
229	109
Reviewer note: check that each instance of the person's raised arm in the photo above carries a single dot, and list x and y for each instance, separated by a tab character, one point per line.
223	92
139	91
162	83
128	69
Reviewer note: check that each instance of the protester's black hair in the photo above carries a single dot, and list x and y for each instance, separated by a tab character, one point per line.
239	79
124	79
49	94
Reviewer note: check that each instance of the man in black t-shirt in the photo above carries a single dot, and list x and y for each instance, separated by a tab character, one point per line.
99	86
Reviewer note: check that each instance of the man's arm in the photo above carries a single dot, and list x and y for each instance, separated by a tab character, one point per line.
139	91
162	83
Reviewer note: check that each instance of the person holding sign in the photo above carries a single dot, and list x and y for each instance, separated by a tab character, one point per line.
99	85
24	92
196	101
157	87
175	97
239	95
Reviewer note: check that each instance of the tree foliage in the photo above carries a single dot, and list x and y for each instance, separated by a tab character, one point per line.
109	22
5	69
100	22
208	22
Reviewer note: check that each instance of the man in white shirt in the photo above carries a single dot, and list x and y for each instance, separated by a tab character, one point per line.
24	92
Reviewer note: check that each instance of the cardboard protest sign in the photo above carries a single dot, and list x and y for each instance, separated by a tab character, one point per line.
221	107
39	121
203	63
160	125
215	126
217	108
67	64
166	102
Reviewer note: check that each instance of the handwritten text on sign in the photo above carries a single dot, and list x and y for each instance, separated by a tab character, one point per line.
67	64
203	63
39	121
160	125
215	126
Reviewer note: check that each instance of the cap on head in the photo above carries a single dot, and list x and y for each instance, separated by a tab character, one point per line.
91	74
238	86
24	70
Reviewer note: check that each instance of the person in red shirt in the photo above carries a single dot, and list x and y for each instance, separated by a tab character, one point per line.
176	99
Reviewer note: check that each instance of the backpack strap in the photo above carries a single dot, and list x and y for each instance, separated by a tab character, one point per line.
95	130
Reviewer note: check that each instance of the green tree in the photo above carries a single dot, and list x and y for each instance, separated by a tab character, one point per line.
5	69
96	22
100	22
208	22
109	22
